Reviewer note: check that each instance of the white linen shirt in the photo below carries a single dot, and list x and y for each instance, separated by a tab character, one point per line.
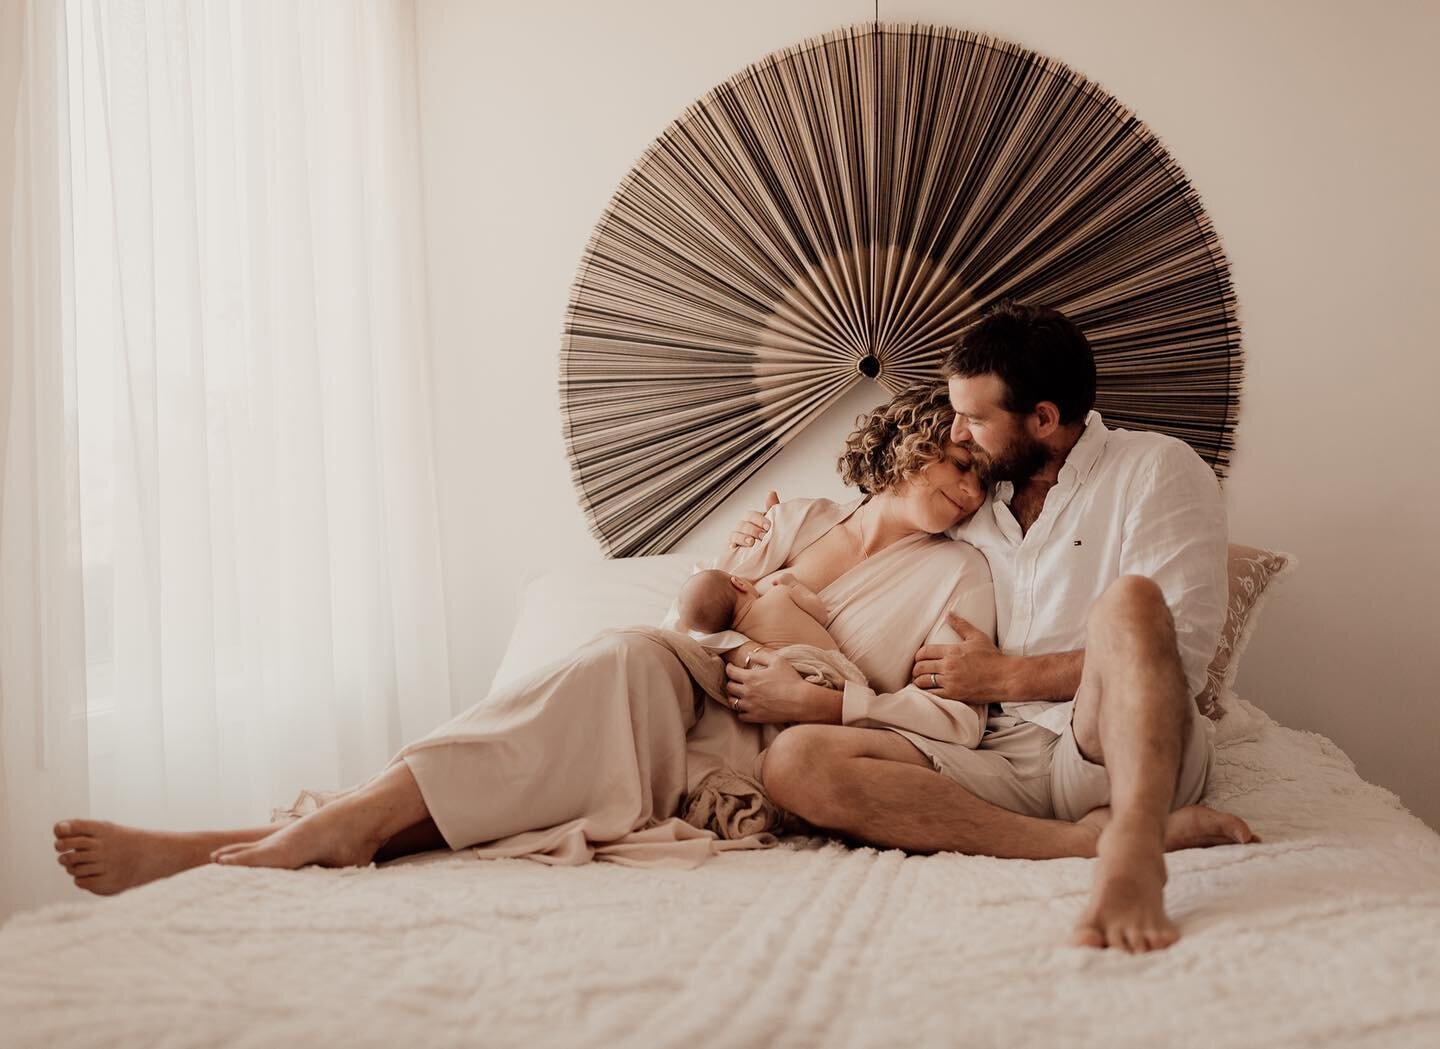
1127	502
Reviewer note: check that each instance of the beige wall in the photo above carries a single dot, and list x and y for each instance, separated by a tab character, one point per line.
1308	129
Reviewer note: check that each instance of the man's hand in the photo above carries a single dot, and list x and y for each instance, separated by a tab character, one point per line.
754	525
972	671
771	691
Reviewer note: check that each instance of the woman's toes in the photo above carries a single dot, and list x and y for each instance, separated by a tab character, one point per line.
75	842
1087	936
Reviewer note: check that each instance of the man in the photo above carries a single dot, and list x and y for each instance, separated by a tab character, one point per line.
1108	550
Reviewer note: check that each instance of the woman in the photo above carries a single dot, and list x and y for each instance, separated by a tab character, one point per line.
596	753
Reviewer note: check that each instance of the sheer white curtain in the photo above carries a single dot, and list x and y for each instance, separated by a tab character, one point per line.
262	582
43	768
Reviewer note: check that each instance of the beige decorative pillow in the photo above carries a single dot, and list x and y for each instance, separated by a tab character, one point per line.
1251	571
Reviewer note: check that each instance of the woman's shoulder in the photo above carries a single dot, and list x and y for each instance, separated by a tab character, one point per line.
955	555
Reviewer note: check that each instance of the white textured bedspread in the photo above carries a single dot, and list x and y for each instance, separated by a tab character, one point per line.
1326	934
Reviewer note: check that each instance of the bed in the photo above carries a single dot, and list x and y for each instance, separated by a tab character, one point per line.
1328	933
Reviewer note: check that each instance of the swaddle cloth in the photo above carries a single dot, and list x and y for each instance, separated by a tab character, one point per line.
821	666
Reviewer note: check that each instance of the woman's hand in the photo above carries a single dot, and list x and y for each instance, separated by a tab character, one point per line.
769	692
754	525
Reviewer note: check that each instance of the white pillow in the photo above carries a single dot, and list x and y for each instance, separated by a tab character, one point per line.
562	608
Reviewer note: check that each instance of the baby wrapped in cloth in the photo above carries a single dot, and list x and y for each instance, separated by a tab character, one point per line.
788	618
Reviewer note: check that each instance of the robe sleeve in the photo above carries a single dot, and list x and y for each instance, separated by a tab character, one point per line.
913	708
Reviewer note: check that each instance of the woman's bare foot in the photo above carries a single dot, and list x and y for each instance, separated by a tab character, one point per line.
1127	903
1192	827
106	858
338	835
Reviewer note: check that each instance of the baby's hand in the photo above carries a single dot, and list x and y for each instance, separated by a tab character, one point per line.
809	601
781	578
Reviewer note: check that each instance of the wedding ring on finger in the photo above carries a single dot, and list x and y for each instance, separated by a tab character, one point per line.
934	682
735	702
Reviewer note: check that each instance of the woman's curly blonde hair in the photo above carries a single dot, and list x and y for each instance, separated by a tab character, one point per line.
899	439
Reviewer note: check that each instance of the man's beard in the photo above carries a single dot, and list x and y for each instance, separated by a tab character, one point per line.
1021	461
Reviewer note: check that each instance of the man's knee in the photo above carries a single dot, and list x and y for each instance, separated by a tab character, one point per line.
1132	603
1130	631
797	772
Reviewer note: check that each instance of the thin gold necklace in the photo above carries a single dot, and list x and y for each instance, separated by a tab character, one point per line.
860	537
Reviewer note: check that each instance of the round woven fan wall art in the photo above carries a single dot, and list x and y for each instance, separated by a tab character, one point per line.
837	213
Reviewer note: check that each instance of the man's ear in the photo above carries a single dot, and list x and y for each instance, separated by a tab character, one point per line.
1044	419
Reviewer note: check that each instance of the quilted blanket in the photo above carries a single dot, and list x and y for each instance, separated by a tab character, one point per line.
1326	934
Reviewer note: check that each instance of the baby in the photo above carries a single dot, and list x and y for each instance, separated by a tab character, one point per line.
787	613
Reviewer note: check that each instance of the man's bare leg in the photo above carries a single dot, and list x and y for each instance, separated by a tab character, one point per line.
345	833
1132	714
874	786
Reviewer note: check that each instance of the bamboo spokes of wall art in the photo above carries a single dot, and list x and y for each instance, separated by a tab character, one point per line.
840	211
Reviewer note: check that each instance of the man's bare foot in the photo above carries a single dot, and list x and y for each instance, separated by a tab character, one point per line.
338	835
106	858
1198	827
1127	903
1192	827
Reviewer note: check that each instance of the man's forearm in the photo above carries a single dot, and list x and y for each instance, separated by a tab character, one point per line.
1053	677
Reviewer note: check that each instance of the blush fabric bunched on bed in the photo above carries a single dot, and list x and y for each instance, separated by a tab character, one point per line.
592	757
598	751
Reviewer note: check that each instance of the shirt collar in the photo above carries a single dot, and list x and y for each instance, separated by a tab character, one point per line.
1083	456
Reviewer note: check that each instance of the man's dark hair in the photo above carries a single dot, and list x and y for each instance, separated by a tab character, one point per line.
1038	353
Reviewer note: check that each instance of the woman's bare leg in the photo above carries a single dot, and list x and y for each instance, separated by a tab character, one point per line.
345	833
419	837
106	858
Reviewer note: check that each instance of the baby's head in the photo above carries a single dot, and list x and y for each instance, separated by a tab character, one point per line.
712	600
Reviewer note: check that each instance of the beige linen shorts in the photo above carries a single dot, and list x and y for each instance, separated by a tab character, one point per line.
1026	768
